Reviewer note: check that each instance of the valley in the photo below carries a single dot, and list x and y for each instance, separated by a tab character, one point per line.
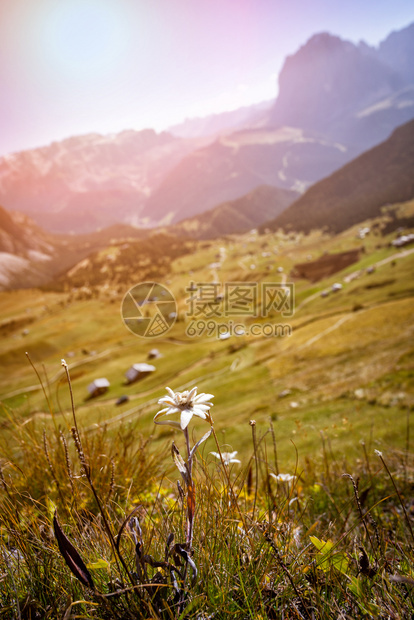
345	372
225	298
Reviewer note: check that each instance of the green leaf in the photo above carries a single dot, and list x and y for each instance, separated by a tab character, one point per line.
99	564
327	558
321	544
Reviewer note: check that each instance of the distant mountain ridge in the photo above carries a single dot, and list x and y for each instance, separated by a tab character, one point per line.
19	235
89	182
358	191
237	216
236	164
216	124
25	251
336	100
397	51
31	257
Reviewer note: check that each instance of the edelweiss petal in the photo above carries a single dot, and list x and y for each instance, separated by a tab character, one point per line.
201	407
186	416
228	457
187	403
161	412
204	398
167	400
283	477
167	411
192	394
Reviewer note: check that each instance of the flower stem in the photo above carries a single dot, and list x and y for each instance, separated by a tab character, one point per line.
190	494
187	443
232	494
253	425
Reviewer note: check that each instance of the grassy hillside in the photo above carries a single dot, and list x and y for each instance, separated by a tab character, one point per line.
311	517
353	341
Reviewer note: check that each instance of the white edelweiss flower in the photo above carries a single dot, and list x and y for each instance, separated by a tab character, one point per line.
186	403
283	477
228	457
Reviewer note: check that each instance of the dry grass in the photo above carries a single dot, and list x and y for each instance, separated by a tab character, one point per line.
332	539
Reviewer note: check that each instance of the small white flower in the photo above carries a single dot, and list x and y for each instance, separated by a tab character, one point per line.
283	477
186	403
378	453
228	457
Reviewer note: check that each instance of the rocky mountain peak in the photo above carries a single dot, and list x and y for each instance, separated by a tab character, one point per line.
330	79
397	52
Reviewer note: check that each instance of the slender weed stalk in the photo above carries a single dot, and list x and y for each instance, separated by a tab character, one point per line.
407	445
256	466
87	473
361	513
272	431
67	462
49	404
230	487
379	454
153	553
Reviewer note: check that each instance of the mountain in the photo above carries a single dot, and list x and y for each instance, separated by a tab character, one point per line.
326	78
237	216
356	95
358	191
89	182
31	257
397	51
336	100
26	251
236	164
225	122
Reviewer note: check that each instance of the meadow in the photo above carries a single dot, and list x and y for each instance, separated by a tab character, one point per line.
315	521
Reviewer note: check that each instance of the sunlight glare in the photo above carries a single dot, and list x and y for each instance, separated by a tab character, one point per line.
84	38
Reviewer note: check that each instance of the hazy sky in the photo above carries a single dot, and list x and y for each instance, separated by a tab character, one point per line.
70	67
